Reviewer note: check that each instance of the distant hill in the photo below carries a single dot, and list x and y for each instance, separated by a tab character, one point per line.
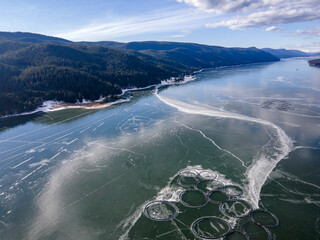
193	55
32	38
283	53
35	68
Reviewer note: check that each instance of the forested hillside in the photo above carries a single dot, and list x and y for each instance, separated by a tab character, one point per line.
194	56
35	68
32	73
32	37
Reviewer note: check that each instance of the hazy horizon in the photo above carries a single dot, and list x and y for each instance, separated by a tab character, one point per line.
261	23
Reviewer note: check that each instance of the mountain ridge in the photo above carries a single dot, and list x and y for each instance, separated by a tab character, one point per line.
32	37
285	53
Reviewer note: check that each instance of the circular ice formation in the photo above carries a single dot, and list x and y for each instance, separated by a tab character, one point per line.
262	228
188	182
188	173
217	196
210	227
207	175
237	208
263	216
160	210
198	198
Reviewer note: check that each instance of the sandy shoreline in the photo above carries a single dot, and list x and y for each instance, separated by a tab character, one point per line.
87	105
52	106
97	105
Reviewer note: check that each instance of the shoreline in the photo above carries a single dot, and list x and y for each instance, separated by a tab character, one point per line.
53	106
97	105
86	105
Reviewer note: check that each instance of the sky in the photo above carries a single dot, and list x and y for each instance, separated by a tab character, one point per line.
293	24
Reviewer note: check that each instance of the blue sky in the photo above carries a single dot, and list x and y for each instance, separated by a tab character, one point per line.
293	24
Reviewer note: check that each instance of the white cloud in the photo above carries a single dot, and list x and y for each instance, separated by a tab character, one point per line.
273	28
309	32
177	36
305	47
269	17
180	35
259	13
220	6
149	23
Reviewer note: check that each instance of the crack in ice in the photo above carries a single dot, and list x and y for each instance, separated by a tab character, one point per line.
213	142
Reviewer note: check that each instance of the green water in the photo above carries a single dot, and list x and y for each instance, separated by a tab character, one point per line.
85	174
